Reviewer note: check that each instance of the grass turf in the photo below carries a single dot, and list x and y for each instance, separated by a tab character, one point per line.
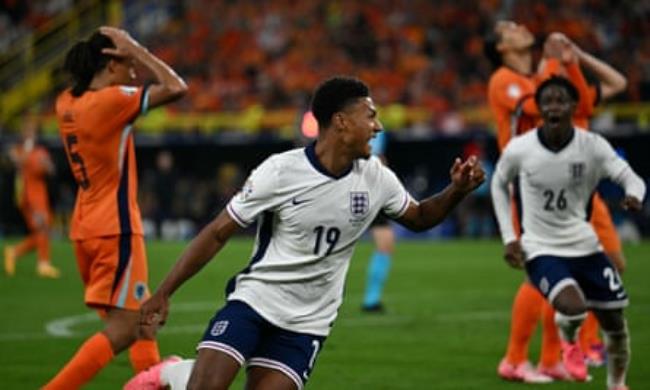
446	323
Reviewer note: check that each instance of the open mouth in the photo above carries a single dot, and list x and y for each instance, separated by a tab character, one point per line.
554	119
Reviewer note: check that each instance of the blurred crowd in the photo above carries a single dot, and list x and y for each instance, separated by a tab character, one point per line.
238	53
417	52
423	53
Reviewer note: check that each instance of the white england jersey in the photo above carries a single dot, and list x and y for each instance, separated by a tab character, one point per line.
556	189
308	223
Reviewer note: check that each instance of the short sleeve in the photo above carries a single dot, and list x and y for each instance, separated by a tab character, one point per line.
397	198
256	195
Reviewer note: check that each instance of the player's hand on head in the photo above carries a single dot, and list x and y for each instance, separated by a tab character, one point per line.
467	175
631	203
553	46
123	41
514	254
568	53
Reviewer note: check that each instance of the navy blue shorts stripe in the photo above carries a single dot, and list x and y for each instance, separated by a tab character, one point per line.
124	256
123	196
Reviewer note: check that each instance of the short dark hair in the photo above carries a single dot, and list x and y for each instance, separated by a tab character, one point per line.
334	95
85	59
560	82
490	43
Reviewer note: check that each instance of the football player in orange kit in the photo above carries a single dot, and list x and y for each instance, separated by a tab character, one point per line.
33	165
95	119
510	94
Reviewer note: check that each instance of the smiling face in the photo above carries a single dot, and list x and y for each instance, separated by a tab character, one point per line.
556	106
359	124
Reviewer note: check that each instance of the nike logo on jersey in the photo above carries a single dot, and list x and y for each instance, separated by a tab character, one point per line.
296	201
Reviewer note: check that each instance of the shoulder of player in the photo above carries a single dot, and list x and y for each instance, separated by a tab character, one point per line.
505	75
371	163
588	136
590	139
283	162
118	90
522	143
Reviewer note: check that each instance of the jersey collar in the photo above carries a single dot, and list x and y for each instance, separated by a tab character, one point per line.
547	146
310	151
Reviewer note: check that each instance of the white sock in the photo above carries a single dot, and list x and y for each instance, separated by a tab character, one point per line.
618	356
569	325
176	375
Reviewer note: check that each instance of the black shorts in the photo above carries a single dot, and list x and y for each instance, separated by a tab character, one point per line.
240	332
594	275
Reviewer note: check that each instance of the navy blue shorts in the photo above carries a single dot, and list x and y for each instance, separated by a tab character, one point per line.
594	275
238	331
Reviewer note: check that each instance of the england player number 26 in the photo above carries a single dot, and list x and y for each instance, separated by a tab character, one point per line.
554	201
330	235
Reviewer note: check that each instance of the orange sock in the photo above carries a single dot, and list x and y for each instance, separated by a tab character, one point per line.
144	354
526	311
588	333
43	246
25	245
551	346
91	357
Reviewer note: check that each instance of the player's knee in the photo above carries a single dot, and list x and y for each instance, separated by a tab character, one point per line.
201	379
120	339
570	302
121	329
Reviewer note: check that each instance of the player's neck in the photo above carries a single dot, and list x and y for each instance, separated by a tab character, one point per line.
519	61
556	139
331	158
100	80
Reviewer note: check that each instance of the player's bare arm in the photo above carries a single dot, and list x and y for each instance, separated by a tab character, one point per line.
169	85
465	177
514	254
198	253
611	80
631	203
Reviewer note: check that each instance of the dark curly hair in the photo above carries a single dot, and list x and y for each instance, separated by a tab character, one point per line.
85	59
334	95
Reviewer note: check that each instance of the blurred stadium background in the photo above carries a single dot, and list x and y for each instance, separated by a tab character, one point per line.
251	66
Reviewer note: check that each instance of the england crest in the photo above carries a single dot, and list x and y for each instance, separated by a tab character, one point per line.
219	328
577	171
359	203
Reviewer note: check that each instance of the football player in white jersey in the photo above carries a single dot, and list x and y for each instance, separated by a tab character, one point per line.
558	168
311	204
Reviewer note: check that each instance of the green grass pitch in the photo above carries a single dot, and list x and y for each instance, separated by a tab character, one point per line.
446	326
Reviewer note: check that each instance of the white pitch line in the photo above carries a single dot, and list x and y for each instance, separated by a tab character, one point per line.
65	327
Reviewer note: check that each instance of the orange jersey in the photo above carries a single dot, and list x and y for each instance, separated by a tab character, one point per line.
32	188
97	135
582	115
511	97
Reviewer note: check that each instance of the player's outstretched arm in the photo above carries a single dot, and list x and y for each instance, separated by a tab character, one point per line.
506	168
611	80
198	253
465	177
169	86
